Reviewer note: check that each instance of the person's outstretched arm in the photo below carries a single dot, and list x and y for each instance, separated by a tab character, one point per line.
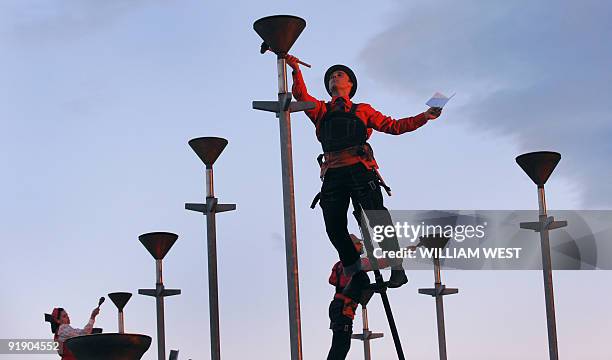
66	331
386	124
300	92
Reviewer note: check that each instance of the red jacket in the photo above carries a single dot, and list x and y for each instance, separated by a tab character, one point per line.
339	280
372	118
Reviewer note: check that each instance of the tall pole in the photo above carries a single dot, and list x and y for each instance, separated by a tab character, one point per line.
159	300
213	284
293	291
208	150
367	335
440	311
539	166
279	33
439	290
549	296
366	332
158	244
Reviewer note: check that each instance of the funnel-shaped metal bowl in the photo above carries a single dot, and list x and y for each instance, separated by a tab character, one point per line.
120	299
279	31
539	165
109	346
208	149
158	243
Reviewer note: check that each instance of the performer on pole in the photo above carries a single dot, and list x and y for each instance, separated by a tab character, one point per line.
349	168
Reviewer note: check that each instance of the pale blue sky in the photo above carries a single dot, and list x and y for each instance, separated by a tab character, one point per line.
98	101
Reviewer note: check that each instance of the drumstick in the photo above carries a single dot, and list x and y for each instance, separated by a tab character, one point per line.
265	47
100	302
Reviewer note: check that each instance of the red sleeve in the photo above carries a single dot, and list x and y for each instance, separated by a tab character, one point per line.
377	121
300	93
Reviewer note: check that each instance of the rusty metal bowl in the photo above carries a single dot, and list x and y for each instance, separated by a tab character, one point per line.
109	346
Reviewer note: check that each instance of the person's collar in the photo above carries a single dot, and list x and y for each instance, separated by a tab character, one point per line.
347	100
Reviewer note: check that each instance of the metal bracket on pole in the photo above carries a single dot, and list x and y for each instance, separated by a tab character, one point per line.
367	335
159	293
217	208
548	224
285	104
441	290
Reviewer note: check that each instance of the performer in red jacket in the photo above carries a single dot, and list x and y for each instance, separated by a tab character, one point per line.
350	170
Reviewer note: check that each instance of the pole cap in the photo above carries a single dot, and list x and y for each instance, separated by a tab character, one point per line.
158	243
279	32
539	165
208	149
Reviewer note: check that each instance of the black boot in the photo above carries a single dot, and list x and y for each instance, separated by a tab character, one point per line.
397	279
359	282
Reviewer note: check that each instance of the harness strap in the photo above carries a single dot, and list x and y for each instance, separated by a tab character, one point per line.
338	275
349	306
315	201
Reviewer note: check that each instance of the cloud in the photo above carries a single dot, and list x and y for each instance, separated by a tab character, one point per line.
55	22
538	70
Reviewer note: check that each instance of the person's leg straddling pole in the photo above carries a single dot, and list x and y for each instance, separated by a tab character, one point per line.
342	328
335	198
366	189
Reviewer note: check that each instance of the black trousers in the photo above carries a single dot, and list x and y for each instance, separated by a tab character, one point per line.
361	184
342	328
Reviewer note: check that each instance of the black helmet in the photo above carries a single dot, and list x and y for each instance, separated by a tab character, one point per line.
348	71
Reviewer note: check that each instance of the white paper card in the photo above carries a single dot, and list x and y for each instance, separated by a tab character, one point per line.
438	100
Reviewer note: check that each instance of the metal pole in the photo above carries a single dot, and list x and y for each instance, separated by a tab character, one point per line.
293	292
161	336
213	285
440	310
208	150
210	186
366	333
121	323
548	281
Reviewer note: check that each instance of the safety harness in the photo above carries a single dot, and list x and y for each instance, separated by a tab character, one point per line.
349	306
343	138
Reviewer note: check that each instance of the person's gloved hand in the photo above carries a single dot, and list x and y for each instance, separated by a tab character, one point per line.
293	62
433	113
95	313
